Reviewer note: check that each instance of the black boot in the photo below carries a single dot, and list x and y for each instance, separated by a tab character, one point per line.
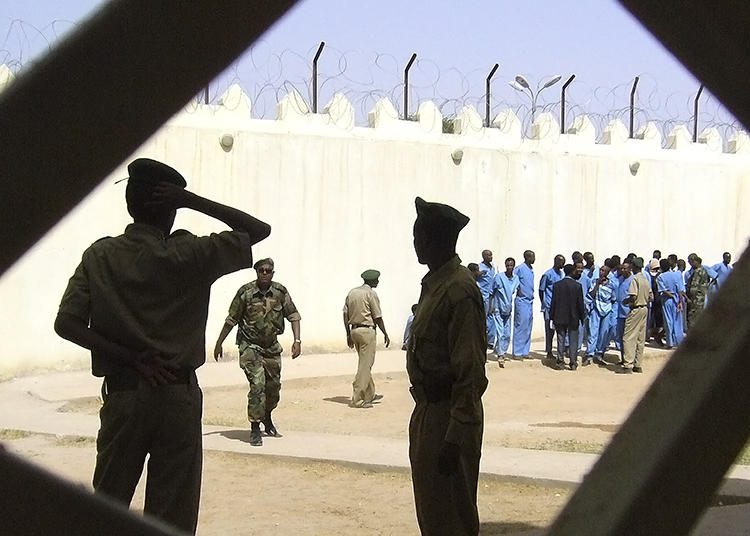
270	428
256	440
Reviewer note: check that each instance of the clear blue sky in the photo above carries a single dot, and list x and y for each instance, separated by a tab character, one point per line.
457	44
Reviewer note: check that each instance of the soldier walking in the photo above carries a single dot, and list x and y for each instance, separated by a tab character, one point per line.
445	361
361	315
258	310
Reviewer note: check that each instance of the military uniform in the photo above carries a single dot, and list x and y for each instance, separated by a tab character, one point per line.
634	333
445	361
259	317
361	308
146	291
697	290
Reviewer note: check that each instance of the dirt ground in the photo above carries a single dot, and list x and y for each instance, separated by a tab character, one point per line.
527	405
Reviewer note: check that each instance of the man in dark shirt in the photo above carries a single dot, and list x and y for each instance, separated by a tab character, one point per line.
139	302
566	311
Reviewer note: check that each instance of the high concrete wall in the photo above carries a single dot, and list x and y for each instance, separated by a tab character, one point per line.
340	199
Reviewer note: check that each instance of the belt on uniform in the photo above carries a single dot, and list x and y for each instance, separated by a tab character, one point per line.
129	382
637	306
354	326
420	394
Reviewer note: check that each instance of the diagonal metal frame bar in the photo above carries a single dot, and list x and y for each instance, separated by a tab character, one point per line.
96	97
669	457
36	502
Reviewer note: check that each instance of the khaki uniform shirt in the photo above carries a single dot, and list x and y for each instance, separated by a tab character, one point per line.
640	289
448	342
145	291
362	306
259	316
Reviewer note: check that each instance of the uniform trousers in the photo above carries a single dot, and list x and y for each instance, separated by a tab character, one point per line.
164	423
634	336
503	333
673	332
363	387
263	373
446	504
523	320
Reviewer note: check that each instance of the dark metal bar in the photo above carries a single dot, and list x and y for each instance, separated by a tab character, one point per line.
562	103
695	114
90	88
68	508
406	85
722	27
487	96
205	95
315	77
632	105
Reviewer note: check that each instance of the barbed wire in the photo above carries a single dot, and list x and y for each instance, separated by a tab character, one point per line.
266	75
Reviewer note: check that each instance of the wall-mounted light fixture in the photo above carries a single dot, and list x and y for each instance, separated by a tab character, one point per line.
227	142
634	167
457	155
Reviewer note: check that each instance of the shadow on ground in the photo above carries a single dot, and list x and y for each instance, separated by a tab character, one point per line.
234	435
339	399
520	529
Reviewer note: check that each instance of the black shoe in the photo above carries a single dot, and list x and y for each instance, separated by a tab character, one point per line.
256	440
637	369
559	366
500	363
377	397
573	366
586	362
598	361
550	355
269	427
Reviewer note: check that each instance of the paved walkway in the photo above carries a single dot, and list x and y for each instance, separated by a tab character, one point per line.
32	403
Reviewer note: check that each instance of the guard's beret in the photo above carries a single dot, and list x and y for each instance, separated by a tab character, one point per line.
440	214
267	260
145	170
638	262
370	275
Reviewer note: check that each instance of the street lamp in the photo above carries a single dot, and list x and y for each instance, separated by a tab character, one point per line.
522	85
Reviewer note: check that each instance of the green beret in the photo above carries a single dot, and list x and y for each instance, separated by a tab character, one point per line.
440	214
145	170
638	262
370	275
267	260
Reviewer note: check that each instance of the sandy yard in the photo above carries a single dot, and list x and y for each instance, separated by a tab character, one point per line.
527	405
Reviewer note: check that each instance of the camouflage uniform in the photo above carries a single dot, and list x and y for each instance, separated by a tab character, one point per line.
445	362
697	290
259	317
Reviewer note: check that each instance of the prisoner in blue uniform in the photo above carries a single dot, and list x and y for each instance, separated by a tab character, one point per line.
523	317
549	278
671	287
602	294
506	284
722	270
486	281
